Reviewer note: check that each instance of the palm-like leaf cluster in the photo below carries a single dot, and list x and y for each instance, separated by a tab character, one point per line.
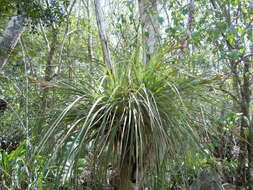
137	114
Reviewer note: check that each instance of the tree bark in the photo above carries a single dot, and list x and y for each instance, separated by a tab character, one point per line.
250	154
102	35
250	136
48	77
15	28
125	176
189	21
243	176
89	42
150	27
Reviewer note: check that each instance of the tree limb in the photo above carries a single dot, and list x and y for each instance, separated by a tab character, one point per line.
12	33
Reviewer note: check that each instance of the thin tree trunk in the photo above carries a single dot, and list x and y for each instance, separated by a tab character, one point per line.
250	154
12	33
246	93
189	21
243	178
89	44
102	35
250	136
150	27
48	77
241	170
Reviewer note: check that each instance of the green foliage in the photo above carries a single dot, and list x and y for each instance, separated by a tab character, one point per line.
142	109
47	13
7	7
184	170
13	168
157	115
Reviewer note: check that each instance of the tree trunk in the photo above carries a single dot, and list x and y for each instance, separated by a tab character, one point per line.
250	154
48	77
150	27
102	35
244	176
241	178
189	21
89	41
125	177
12	33
250	136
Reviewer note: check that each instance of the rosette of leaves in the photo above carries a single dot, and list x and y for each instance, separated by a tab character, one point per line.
137	116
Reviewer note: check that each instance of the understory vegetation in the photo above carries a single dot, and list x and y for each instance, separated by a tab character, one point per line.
126	94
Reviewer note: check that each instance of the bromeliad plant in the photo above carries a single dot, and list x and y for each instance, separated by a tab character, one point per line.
137	115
